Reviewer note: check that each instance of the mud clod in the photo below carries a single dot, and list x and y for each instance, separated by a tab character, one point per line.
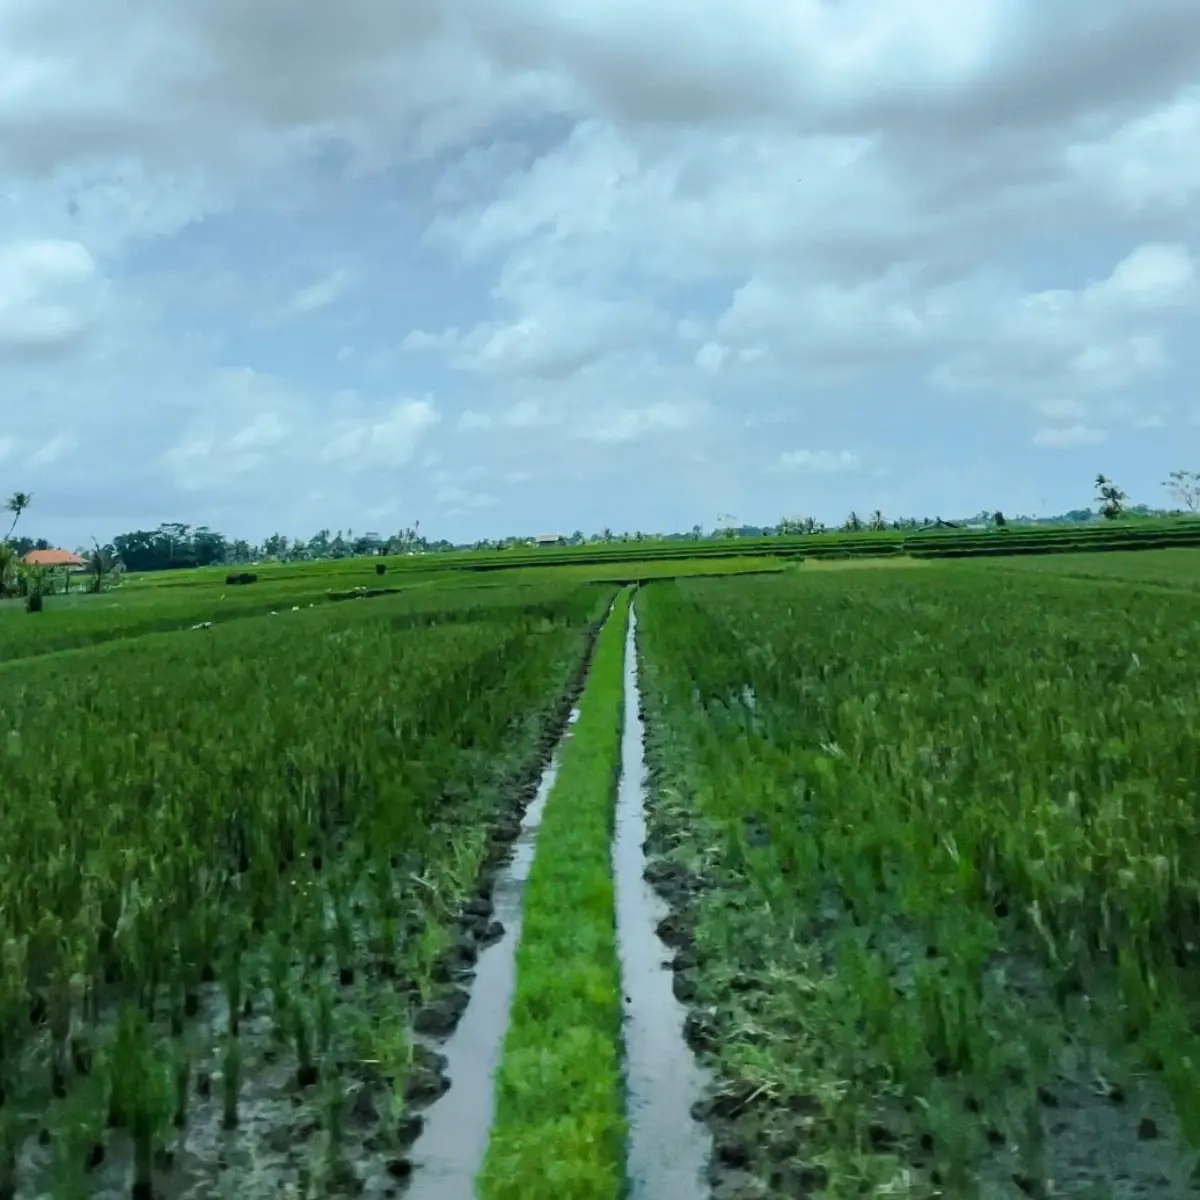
738	1185
427	1078
439	1017
730	1150
685	988
673	932
400	1168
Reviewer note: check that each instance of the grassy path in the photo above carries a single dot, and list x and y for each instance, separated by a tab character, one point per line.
560	1127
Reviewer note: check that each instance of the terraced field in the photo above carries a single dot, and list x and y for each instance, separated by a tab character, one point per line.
349	899
178	600
1179	568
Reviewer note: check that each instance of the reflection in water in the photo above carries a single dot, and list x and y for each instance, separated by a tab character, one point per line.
451	1148
668	1149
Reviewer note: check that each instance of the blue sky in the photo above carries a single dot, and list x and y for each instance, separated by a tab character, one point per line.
514	266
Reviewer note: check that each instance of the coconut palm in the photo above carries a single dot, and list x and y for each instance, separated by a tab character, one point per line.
18	502
1110	498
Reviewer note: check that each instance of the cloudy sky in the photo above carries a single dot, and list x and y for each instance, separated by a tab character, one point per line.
527	265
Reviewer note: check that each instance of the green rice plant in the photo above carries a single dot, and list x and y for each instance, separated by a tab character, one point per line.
231	1079
971	793
206	822
76	1127
559	1127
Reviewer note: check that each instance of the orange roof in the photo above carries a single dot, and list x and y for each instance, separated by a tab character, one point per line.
52	558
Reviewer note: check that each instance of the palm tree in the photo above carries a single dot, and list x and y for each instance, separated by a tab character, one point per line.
1110	497
18	502
99	565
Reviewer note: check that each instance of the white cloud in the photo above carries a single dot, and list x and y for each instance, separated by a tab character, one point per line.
898	227
461	500
523	414
45	295
1059	437
617	425
52	451
1153	276
711	356
319	295
557	337
391	440
469	419
1104	336
823	461
1148	164
264	431
1061	408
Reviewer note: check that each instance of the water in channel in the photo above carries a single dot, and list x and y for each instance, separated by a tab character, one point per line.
450	1151
668	1148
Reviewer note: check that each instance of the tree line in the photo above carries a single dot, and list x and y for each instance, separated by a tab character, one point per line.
175	545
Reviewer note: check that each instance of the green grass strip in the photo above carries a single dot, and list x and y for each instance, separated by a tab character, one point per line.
559	1128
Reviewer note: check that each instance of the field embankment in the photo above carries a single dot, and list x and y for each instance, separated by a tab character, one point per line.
559	1128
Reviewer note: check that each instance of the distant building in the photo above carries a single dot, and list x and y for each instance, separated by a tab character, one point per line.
549	539
53	558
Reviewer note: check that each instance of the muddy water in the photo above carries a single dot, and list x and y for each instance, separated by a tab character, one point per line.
668	1150
450	1151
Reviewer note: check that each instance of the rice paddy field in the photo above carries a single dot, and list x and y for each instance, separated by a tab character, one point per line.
177	600
1176	568
658	880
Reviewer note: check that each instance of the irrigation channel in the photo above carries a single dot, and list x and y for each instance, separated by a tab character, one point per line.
448	1154
668	1150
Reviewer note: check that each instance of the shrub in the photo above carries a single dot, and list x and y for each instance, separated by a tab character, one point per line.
241	577
34	601
381	568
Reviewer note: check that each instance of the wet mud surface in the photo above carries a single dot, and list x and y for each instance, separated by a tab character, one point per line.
1084	1135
